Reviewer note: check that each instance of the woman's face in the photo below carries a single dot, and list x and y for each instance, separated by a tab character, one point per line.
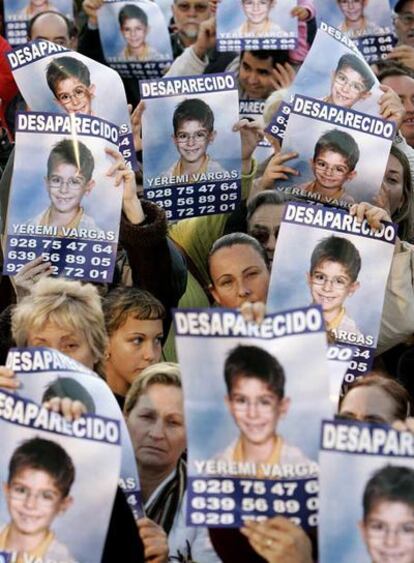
156	427
135	32
66	340
368	404
388	532
257	11
392	187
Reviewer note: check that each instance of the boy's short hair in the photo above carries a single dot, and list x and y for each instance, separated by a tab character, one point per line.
163	373
71	151
129	12
337	249
122	302
193	110
68	387
340	142
257	363
44	455
352	61
64	68
390	483
233	239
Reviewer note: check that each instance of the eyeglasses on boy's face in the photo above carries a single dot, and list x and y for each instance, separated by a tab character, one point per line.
184	138
74	183
377	529
78	94
199	7
264	405
355	87
44	498
406	18
350	2
335	170
337	282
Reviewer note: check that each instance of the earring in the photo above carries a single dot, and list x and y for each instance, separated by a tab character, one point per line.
107	355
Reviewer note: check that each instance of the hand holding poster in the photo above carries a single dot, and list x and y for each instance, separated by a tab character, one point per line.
256	24
134	37
64	206
54	79
252	110
205	178
252	414
368	472
335	257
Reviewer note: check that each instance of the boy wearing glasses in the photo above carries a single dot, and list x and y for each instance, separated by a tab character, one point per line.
41	474
255	383
355	23
258	22
193	124
70	81
335	157
351	82
69	178
387	526
333	277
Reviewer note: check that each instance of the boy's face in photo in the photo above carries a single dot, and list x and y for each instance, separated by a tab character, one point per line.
75	97
348	87
330	284
33	501
257	11
388	532
134	32
353	10
66	187
331	170
192	139
255	408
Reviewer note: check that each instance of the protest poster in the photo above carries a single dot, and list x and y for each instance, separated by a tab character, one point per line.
135	38
192	156
340	264
341	159
339	358
252	413
54	79
18	13
63	206
47	467
367	22
253	111
166	9
256	24
45	374
333	71
366	493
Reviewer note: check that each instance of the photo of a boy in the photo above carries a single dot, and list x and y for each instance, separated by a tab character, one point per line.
35	7
355	22
69	179
335	157
333	277
258	22
40	477
255	382
193	125
70	81
351	82
133	23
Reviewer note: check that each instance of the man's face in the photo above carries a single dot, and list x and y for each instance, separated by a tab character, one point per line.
238	274
52	27
348	87
192	140
264	226
134	346
331	170
368	404
75	97
256	409
353	10
404	86
404	24
188	14
257	11
33	501
388	532
330	285
255	76
156	427
66	187
134	32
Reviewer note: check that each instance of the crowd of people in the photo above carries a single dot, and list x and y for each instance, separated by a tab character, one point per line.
123	330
